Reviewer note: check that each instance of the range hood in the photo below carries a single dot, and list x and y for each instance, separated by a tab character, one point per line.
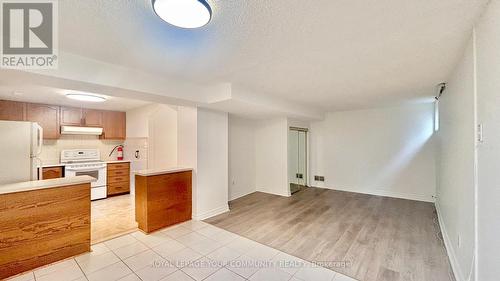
75	130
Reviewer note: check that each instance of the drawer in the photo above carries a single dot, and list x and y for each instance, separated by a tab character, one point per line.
118	188
118	166
113	173
115	179
52	172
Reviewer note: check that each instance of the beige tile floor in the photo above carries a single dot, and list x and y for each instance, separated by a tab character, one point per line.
193	250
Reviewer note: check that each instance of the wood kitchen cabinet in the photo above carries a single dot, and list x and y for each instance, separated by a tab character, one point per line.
42	226
92	117
114	123
46	116
52	117
12	110
52	172
71	116
118	178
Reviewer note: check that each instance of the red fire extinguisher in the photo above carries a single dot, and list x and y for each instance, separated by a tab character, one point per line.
119	152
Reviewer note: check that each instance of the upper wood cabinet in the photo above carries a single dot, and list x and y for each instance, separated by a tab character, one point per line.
12	110
52	117
92	117
46	116
71	116
114	125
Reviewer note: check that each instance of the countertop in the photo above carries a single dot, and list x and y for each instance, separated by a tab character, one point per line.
117	161
155	172
44	184
50	164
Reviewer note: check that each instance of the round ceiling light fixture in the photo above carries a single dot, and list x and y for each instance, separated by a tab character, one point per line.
85	97
183	13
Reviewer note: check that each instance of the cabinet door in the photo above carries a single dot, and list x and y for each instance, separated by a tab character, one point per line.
71	116
46	116
114	125
52	173
92	117
12	110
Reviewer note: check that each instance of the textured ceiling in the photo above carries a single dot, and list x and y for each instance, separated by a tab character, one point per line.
330	54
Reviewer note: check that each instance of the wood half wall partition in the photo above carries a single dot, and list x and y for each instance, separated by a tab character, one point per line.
38	227
163	199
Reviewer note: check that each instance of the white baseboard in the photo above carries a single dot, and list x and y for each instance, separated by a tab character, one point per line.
274	193
386	193
241	195
211	213
449	249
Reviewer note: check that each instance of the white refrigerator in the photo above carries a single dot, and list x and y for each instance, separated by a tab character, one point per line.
20	146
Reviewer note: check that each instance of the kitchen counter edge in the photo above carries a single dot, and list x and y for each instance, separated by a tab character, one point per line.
155	172
44	184
51	165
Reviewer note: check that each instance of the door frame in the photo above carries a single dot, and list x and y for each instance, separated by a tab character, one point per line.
306	162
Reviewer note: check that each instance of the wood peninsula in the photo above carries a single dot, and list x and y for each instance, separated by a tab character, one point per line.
43	222
163	197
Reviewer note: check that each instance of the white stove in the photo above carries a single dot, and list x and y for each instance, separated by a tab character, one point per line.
86	162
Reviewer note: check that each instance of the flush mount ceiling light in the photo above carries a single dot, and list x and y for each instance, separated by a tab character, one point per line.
85	97
183	13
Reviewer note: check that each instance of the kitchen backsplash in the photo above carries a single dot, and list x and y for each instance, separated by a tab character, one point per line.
51	150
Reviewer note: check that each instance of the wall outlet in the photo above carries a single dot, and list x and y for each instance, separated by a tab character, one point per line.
319	178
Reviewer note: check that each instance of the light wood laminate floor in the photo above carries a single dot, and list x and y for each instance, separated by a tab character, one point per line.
112	217
381	238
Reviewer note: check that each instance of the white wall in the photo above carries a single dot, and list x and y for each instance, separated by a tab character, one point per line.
212	163
488	114
163	137
51	150
158	124
455	185
386	151
242	157
271	139
187	145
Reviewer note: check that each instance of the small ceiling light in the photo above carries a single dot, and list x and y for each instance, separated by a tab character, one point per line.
183	13
85	97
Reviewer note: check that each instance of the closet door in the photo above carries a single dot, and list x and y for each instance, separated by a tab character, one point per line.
302	158
297	159
293	157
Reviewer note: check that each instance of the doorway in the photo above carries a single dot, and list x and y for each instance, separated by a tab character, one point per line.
297	159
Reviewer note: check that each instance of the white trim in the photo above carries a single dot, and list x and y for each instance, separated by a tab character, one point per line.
274	193
211	213
386	193
455	266
241	195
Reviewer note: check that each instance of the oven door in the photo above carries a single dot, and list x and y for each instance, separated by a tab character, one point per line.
98	173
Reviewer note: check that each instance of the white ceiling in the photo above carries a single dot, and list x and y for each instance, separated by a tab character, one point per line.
56	96
328	54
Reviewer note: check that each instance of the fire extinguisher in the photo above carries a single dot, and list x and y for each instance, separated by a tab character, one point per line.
119	152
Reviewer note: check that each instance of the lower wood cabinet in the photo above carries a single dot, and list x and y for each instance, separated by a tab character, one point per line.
52	173
118	178
39	227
